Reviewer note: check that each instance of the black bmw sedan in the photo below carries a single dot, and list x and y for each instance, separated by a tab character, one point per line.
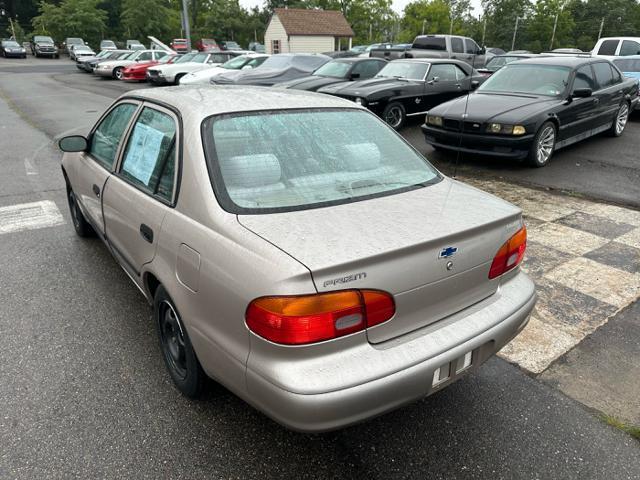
530	108
336	71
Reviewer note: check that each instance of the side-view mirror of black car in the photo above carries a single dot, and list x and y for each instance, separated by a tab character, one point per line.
582	93
474	84
73	143
433	80
355	76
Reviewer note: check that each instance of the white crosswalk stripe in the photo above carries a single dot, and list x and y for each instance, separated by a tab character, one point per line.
29	216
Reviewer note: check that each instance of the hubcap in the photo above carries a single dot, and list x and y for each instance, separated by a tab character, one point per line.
621	120
119	74
394	117
545	144
173	339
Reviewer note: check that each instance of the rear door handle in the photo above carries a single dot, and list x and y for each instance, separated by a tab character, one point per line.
96	190
146	232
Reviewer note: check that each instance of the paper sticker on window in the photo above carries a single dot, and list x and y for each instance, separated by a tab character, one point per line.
142	153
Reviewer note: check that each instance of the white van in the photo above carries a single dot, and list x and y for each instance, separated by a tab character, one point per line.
611	47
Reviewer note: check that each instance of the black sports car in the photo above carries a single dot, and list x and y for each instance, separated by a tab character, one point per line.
530	108
408	87
11	48
336	71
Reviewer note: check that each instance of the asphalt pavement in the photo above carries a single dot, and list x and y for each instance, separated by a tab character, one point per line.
84	392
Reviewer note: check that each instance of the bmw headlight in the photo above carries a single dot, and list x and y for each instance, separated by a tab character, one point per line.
434	120
519	130
503	129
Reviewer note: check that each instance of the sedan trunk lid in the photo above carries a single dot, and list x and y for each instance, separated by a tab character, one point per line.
431	248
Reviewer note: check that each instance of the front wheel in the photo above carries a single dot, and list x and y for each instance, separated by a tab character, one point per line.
543	145
80	224
395	115
620	120
177	351
117	73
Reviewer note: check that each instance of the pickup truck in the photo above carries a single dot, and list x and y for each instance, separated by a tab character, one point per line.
437	46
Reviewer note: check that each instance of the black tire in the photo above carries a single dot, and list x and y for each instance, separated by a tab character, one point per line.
177	351
117	73
56	56
395	115
176	80
543	145
80	224
620	120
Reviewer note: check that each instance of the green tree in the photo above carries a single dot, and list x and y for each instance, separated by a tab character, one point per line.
72	18
540	26
141	18
501	18
434	15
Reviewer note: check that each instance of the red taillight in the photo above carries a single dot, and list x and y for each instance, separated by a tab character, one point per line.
510	254
302	319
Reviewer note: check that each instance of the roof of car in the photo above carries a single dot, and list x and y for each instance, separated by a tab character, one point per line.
356	59
204	101
569	61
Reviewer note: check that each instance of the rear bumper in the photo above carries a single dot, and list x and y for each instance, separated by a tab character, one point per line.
401	370
494	145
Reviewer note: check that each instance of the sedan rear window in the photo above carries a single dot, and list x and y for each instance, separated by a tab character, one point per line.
286	160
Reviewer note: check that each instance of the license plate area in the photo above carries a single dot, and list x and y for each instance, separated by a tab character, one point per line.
444	373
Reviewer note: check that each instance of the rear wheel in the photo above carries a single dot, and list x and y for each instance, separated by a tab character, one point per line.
177	351
395	115
620	120
543	145
117	73
80	224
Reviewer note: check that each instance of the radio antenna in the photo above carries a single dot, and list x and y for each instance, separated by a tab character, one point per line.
464	116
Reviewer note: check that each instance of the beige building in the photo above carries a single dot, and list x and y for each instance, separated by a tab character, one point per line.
297	30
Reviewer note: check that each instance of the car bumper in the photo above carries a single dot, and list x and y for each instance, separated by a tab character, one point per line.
134	76
46	54
158	79
402	369
494	145
15	54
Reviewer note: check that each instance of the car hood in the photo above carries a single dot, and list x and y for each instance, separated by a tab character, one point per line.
310	83
485	107
363	88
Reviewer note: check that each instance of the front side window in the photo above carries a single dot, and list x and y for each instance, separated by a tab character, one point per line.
107	137
255	170
460	74
149	158
629	47
547	80
608	47
604	76
408	70
456	45
472	47
584	78
443	72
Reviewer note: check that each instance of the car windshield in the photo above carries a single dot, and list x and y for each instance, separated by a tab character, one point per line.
166	59
628	64
185	58
278	61
408	70
498	62
236	63
104	53
278	161
333	69
107	43
548	80
199	58
39	38
10	43
75	41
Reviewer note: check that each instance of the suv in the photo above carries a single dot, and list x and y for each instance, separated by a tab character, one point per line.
43	46
179	45
206	44
612	47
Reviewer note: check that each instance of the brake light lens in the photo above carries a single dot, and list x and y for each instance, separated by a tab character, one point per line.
304	319
510	254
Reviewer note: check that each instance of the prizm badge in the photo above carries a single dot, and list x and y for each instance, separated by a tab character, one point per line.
349	278
447	252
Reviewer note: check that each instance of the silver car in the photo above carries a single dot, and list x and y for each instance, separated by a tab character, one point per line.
297	250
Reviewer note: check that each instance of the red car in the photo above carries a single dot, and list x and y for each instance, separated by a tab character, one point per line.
179	45
138	71
207	44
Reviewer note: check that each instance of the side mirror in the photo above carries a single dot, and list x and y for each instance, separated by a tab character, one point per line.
482	51
73	143
434	80
474	84
582	93
354	76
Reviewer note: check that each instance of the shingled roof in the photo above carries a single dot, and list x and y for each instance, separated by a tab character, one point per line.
300	21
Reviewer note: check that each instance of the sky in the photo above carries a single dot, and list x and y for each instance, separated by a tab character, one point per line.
398	5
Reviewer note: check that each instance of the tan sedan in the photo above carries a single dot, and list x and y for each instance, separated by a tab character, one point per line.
297	250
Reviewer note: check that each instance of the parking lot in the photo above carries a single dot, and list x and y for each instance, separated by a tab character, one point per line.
84	391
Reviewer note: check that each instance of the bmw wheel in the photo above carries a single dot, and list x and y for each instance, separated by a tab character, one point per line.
395	115
177	351
620	120
543	145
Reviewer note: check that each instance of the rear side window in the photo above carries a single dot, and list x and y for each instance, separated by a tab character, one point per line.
107	137
144	56
149	158
460	74
584	78
456	45
628	64
604	75
629	47
430	43
608	47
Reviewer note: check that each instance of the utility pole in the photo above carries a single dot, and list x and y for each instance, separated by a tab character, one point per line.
601	27
484	29
424	22
515	32
553	34
370	30
185	21
12	29
451	25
